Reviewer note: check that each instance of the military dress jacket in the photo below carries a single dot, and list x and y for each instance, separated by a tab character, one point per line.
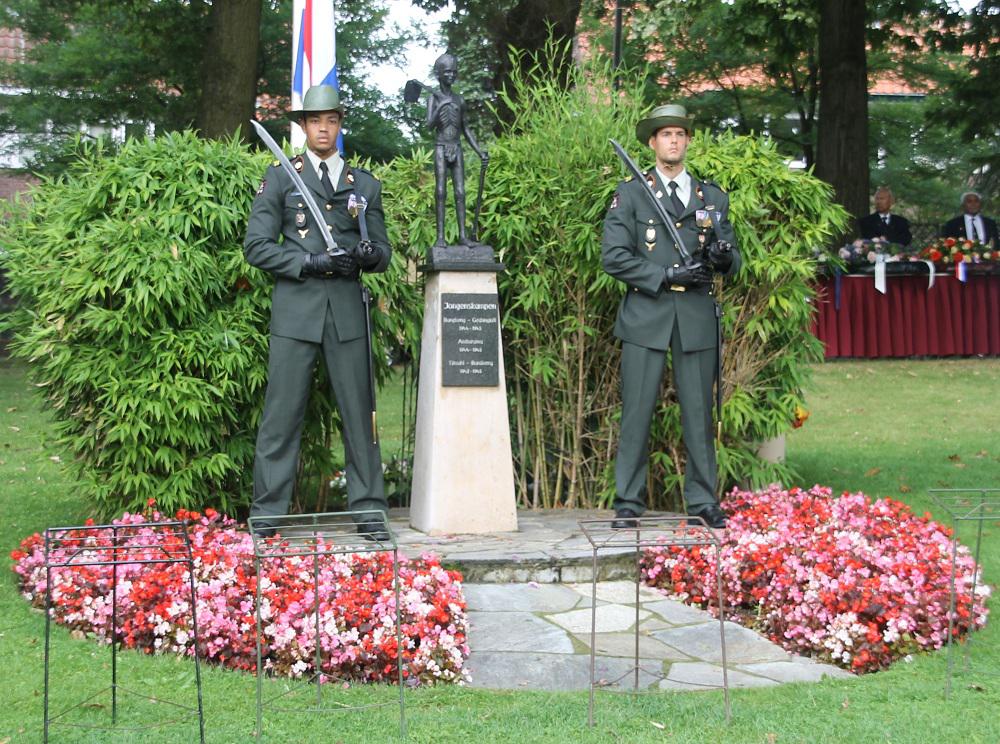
281	230
637	249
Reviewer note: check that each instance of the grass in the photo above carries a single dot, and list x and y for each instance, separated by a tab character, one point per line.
887	428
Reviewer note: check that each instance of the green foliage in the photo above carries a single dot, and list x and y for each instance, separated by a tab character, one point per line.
552	175
140	64
147	330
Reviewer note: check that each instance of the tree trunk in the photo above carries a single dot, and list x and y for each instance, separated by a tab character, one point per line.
842	134
229	69
526	28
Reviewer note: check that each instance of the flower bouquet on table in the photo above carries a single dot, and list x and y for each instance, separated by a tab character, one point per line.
861	256
948	253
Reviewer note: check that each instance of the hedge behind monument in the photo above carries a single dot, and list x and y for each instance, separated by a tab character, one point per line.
147	330
552	176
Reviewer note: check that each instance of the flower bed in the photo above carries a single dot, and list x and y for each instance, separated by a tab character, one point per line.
843	579
357	608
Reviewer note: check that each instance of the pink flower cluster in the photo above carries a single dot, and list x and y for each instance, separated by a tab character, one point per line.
844	579
357	604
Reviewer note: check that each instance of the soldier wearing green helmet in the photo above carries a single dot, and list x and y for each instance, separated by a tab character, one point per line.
317	307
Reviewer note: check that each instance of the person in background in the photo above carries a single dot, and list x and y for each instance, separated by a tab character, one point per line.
972	224
882	223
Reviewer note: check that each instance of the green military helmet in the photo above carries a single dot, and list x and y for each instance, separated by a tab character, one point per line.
669	115
321	98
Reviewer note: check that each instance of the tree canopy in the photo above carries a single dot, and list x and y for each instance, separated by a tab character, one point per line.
169	65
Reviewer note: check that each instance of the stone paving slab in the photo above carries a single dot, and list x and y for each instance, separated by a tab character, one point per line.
606	618
516	631
529	598
554	672
702	676
537	636
743	646
623	645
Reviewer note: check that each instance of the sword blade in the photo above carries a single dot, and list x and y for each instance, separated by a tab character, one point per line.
660	210
331	245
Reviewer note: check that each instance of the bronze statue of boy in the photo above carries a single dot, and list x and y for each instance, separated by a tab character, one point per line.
447	116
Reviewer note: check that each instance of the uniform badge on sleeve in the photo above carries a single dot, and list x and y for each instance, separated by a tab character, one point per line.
614	201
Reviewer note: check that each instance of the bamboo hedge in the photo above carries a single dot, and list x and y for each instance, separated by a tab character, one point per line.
147	331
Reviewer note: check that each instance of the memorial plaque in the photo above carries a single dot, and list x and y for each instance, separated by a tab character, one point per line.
470	340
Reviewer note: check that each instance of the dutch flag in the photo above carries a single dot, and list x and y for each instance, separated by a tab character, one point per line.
315	62
960	271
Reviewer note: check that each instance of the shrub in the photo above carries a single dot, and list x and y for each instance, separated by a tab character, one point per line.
147	330
552	176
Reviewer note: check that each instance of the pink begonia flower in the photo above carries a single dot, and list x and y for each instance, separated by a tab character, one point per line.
841	578
357	605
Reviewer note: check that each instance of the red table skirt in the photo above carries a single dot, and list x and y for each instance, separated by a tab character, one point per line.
949	319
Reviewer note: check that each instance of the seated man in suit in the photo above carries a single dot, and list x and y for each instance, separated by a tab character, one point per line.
971	224
882	223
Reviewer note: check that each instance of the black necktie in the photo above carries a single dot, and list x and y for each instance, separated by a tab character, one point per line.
675	201
885	219
325	180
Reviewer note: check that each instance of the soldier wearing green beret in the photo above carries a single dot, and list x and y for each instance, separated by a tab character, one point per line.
317	307
668	304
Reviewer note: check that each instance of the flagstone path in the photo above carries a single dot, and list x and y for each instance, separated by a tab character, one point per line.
530	610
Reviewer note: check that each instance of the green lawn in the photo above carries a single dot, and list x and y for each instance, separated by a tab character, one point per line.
887	428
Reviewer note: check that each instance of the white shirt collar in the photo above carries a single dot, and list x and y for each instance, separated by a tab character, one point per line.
683	181
334	164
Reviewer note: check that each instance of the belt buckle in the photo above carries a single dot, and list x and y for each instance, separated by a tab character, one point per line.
677	288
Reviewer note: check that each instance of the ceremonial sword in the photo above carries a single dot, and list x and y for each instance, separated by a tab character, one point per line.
657	205
358	207
331	245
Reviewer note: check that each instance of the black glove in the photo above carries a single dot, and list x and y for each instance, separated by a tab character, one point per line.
367	255
720	255
695	275
323	264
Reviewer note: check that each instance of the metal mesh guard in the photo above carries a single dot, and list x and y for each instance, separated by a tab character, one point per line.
649	532
968	504
117	544
330	533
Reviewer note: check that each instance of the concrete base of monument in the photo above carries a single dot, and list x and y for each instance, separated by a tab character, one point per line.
463	473
548	547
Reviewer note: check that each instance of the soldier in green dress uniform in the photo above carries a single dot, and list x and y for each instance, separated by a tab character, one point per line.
317	307
668	304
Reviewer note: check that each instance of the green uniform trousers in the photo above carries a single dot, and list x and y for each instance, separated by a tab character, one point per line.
289	379
642	373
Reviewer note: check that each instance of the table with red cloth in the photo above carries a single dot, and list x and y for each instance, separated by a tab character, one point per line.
952	318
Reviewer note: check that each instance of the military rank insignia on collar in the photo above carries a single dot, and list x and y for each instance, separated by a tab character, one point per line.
297	163
350	176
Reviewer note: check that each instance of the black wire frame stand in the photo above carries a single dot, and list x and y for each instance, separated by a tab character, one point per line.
965	505
649	532
116	545
318	536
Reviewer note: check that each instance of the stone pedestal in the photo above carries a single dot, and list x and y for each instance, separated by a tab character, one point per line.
463	471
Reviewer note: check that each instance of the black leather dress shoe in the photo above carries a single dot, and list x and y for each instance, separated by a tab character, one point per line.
714	516
374	530
624	519
263	531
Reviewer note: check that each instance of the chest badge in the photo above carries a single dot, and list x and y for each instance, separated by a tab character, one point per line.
300	219
303	233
